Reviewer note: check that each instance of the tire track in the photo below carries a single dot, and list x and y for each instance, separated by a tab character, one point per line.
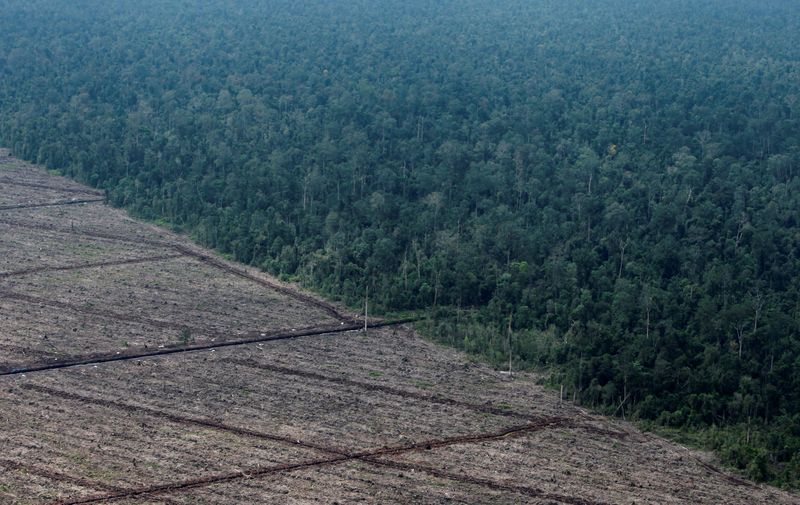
134	261
50	204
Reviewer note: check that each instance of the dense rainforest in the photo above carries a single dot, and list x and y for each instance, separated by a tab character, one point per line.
608	191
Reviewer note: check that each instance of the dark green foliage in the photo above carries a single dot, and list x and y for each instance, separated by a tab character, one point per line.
618	179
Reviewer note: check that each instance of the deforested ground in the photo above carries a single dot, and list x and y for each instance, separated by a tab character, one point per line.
139	368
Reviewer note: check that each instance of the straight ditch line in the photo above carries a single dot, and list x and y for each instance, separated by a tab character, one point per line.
90	234
134	261
50	204
202	482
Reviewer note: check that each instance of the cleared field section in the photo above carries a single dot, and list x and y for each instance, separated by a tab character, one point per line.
352	482
162	302
182	291
23	185
20	174
346	417
88	220
564	462
396	360
24	251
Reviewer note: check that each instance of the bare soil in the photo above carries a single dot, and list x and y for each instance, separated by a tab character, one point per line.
320	415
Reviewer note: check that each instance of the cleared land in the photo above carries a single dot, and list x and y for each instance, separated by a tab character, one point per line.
137	368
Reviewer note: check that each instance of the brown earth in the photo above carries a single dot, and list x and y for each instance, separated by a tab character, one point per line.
268	394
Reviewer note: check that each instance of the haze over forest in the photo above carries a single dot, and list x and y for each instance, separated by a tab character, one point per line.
606	191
